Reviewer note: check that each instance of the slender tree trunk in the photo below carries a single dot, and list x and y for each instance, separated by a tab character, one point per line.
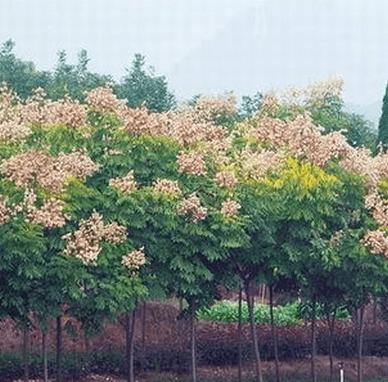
26	360
360	324
143	325
250	302
274	334
87	342
44	354
240	334
193	350
313	341
331	325
59	349
130	320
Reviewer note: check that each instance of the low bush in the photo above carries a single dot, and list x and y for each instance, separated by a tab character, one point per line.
226	311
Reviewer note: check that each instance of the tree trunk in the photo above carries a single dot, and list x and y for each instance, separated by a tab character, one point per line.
193	352
313	341
143	326
59	349
44	354
130	320
331	325
26	360
274	334
240	334
360	324
250	302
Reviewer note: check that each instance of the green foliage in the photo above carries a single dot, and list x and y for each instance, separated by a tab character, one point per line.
142	88
382	136
73	80
330	115
250	105
227	311
20	76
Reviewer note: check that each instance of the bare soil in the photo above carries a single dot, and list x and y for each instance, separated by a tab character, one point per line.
158	328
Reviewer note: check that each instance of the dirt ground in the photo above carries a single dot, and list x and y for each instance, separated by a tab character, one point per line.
158	327
373	367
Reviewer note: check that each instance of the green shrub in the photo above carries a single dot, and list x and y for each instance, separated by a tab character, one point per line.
227	311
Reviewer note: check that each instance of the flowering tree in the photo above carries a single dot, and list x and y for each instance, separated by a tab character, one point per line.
136	200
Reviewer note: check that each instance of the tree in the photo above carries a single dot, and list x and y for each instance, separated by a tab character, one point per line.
382	136
74	80
142	88
20	76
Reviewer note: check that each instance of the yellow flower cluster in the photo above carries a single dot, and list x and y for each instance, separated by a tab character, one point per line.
307	175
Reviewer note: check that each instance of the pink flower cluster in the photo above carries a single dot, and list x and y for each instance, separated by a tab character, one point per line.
211	107
103	98
38	109
84	243
126	185
230	208
134	260
192	206
226	179
140	121
191	163
167	186
377	242
49	172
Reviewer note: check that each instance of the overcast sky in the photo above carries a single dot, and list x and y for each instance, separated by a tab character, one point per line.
212	46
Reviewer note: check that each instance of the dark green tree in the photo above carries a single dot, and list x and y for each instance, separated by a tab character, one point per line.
382	136
20	76
142	87
330	114
74	80
250	105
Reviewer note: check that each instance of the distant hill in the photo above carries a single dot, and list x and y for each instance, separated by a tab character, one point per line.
371	112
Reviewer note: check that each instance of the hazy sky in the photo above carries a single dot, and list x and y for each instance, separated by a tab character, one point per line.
212	46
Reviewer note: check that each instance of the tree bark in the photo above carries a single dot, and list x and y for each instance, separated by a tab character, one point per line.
143	326
313	341
360	324
26	360
59	349
250	302
193	350
274	334
331	325
130	320
240	334
44	354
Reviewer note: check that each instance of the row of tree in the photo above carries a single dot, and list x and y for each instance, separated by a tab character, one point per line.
140	86
103	204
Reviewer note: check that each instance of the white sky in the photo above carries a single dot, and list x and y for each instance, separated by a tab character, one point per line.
212	46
